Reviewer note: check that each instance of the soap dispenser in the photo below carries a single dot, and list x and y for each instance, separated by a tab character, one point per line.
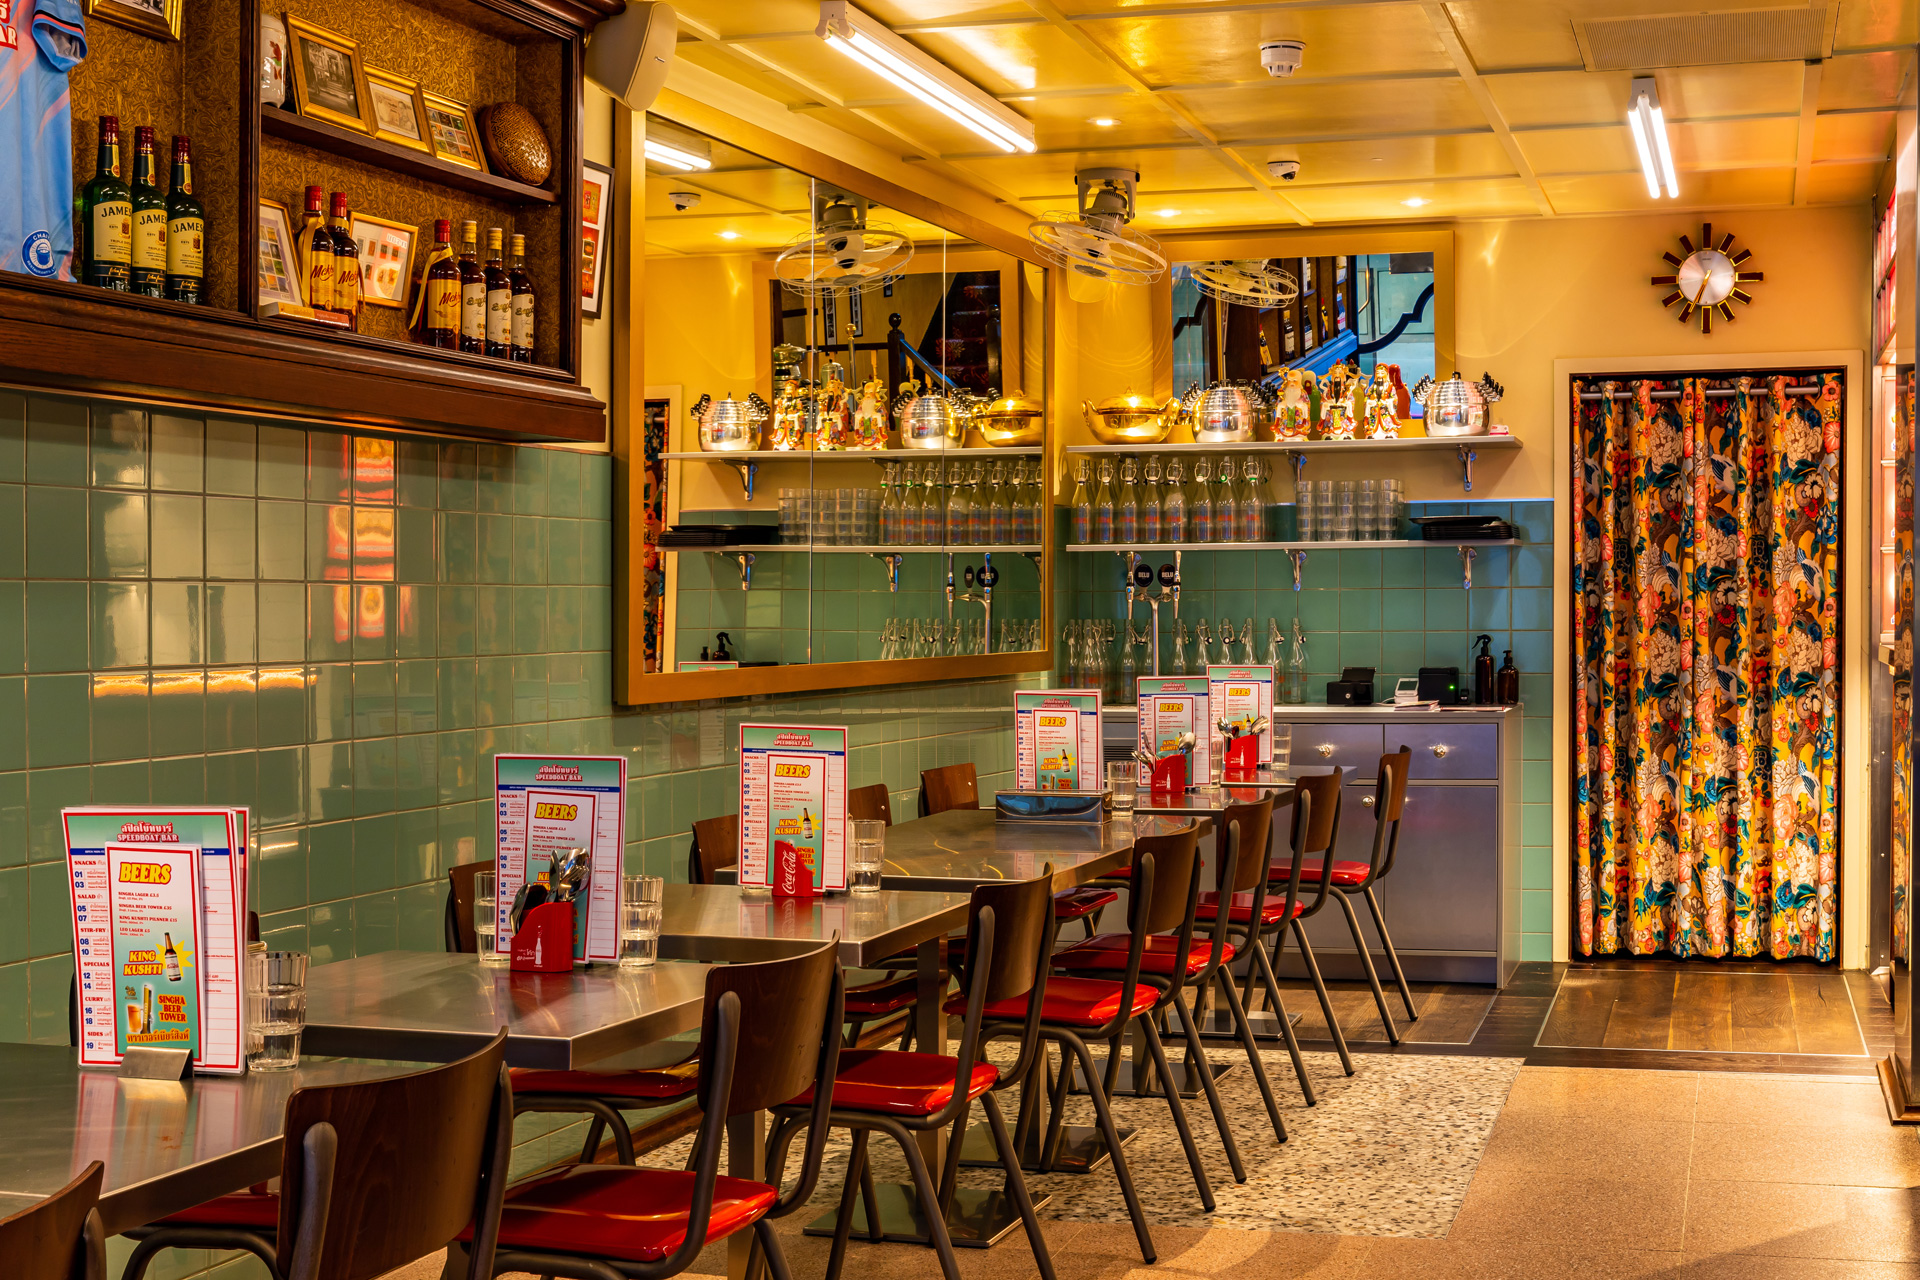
1506	683
1483	671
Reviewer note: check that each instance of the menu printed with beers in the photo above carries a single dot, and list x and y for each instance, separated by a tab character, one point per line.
546	805
793	808
1056	735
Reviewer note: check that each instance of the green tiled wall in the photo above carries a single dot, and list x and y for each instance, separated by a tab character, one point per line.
1395	609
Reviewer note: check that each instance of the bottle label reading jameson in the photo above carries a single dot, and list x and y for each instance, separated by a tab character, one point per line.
113	231
186	247
149	239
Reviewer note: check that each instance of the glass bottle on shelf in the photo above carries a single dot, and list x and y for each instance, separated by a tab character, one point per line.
1201	657
1126	507
979	508
929	513
440	312
1273	646
1252	505
1000	513
886	505
959	509
1297	666
1179	666
1226	512
1173	506
1200	505
316	258
187	230
473	291
520	332
1246	641
1037	507
346	268
1150	500
1081	505
1129	690
499	297
149	276
106	216
1103	504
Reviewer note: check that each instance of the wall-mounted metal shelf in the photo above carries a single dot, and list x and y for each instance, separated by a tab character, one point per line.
1122	549
1467	447
747	461
1015	548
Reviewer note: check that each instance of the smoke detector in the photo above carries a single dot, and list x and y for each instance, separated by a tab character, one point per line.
1282	57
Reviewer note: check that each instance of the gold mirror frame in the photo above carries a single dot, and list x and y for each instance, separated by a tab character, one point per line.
633	685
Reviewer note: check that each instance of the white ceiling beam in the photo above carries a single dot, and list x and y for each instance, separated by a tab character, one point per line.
1462	60
1809	116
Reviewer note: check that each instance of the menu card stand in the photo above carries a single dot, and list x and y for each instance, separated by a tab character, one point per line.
146	1062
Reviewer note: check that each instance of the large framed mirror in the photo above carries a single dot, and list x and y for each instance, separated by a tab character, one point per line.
847	401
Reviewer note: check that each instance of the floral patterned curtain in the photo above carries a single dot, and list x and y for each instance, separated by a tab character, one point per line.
1706	591
1901	825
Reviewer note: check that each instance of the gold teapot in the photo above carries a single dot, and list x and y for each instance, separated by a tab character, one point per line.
1133	419
1013	421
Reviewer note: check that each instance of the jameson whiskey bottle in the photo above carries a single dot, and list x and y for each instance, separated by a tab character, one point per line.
149	274
186	229
346	263
106	217
171	959
473	291
499	301
440	313
316	253
521	330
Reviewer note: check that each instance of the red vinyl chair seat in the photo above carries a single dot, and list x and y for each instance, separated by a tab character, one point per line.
620	1212
1082	900
1108	952
1080	1002
1346	874
1240	911
253	1210
877	999
900	1084
661	1084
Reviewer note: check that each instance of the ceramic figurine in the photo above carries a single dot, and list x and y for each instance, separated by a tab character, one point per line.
870	425
1293	420
793	415
834	425
1336	404
1381	422
1402	401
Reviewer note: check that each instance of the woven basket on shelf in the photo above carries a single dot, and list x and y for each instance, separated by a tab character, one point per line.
515	143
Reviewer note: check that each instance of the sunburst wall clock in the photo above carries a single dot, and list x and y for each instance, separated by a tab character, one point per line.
1708	278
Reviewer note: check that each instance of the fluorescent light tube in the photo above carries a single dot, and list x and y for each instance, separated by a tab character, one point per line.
1658	127
674	157
1648	124
879	50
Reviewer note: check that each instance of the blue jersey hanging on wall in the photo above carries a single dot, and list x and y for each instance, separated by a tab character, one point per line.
40	41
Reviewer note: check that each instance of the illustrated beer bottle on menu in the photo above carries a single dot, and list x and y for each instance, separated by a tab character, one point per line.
499	300
521	334
316	253
346	263
172	959
149	263
440	313
186	228
106	217
473	291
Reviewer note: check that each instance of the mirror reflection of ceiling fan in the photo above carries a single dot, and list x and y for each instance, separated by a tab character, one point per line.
844	251
1246	282
1094	240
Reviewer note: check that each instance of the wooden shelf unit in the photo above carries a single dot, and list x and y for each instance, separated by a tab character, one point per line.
331	138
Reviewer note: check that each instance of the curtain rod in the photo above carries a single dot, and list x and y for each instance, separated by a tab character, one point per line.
1712	393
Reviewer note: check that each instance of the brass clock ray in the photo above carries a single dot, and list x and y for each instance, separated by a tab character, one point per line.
1708	279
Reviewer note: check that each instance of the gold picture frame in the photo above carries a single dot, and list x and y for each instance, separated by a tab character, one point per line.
157	18
386	259
329	80
395	110
451	130
278	257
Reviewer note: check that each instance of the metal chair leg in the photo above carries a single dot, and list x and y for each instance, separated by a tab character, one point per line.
1366	963
1272	985
1179	1111
1103	1111
590	1149
843	1224
764	1236
1197	1061
1244	1029
1393	957
1017	1184
929	1201
1056	1116
1326	1001
950	1166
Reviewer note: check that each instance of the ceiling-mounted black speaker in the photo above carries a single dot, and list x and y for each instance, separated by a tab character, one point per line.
629	55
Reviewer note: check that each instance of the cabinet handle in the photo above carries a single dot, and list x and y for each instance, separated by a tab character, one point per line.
1440	750
1325	749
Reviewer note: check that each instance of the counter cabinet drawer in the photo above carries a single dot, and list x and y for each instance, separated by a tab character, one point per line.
1448	752
1353	747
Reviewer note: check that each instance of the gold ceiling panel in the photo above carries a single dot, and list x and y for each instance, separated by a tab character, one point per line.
1589	150
714	203
1060	123
1365	160
1514	33
694	233
1475	198
1048	176
711	58
1877	22
1166	214
1558	97
1841	183
1863	80
1023	58
908	12
1714	144
1865	135
729	19
1279	110
1217	48
1692	93
1627	192
768	188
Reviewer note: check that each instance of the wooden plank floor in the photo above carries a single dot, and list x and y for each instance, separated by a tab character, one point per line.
1705	1010
1450	1013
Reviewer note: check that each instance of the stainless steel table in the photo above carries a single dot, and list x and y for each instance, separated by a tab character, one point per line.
725	923
166	1146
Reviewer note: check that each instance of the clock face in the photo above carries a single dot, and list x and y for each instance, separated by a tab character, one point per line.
1708	279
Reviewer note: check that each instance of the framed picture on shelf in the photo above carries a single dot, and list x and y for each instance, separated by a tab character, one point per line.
397	113
329	82
157	18
451	131
596	211
279	265
386	259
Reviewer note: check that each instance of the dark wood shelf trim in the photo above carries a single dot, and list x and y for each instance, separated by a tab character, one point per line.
387	155
68	337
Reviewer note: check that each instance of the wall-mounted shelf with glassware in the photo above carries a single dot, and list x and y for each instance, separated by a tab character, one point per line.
1009	548
845	455
1351	544
1467	447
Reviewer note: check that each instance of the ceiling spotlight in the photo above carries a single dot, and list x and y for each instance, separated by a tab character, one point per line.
1104	122
1414	202
1649	126
874	46
1166	213
729	235
675	157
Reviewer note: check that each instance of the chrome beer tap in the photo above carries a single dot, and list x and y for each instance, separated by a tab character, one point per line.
986	576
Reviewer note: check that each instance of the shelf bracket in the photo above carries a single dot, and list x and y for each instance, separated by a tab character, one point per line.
1299	559
892	561
1467	557
1467	457
747	470
745	559
1298	458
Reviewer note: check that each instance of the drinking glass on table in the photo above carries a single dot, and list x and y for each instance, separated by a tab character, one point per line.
869	855
1120	777
640	898
486	918
1282	748
277	989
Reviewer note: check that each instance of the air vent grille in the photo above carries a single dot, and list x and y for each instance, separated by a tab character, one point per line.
1701	39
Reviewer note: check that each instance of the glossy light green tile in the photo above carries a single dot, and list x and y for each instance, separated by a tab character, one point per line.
176	542
530	471
416	701
13	531
414	545
462	839
56	720
119	455
373	697
596	552
13	628
329	466
330	700
564	484
230	623
459	552
1359	610
281	540
330	932
179	711
50	915
282	469
179	446
56	441
329	542
566	687
48	792
529	689
329	625
598	614
457	476
282	797
493	466
455	692
56	532
565	625
456	610
563	551
230	456
529	619
458	771
16	909
178	628
416	780
493	620
493	691
495	563
117	706
230	538
1447	608
417	473
530	550
232	778
232	709
376	923
422	917
280	879
419	621
1537	782
374	774
180	780
373	846
280	616
125	782
118	534
57	626
13	436
416	848
329	781
371	640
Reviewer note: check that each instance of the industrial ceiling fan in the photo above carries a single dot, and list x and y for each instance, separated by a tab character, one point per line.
1245	282
1094	240
844	251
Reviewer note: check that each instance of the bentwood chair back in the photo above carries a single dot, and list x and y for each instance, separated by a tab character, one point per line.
716	844
951	786
874	804
60	1238
460	895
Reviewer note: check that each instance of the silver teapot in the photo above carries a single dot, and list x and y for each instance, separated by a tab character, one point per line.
729	425
1227	412
931	419
1457	407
